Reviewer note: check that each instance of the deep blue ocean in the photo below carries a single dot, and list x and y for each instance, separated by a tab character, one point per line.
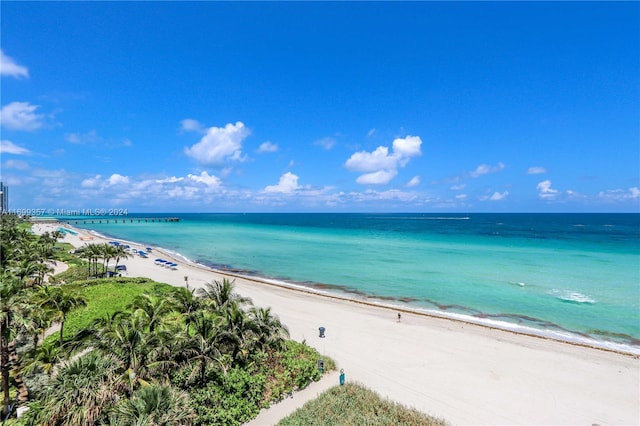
574	277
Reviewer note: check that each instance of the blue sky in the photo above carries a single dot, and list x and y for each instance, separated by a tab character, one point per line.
345	107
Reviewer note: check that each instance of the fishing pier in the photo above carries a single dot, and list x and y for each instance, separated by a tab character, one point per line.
119	220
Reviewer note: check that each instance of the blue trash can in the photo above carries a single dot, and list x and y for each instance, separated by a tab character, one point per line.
341	377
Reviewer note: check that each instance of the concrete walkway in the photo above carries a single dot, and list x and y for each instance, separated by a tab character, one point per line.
278	411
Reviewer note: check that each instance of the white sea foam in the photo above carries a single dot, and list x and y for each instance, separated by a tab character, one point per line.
447	218
563	336
571	296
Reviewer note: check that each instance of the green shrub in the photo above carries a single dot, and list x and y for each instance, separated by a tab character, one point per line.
292	369
227	399
353	404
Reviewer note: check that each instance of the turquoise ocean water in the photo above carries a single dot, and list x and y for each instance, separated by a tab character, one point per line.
574	277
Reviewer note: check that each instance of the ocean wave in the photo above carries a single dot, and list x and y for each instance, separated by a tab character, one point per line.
523	324
572	296
429	218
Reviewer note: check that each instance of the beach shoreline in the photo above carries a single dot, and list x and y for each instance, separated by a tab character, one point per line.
333	292
467	373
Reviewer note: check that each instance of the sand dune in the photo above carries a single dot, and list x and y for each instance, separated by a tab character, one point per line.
465	373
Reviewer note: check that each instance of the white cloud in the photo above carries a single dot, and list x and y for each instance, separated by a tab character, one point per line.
381	177
326	143
497	196
617	195
461	197
380	166
93	182
8	147
190	125
406	148
10	68
371	161
536	170
458	187
268	147
484	169
545	191
415	181
389	195
185	193
288	183
573	195
371	132
219	145
21	116
15	164
83	138
171	179
116	179
210	181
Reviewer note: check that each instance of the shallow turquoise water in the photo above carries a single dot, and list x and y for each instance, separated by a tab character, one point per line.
576	276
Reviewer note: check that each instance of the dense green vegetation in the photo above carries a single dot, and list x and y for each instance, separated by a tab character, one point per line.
132	351
353	404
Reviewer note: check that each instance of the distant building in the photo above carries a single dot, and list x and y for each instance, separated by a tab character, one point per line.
4	198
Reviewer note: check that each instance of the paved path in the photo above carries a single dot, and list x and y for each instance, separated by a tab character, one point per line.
272	415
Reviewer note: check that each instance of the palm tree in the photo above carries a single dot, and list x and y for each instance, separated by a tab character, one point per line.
59	303
184	301
12	303
152	308
82	391
271	332
45	358
154	405
34	321
241	331
204	346
125	336
41	270
120	253
107	252
220	294
91	252
25	268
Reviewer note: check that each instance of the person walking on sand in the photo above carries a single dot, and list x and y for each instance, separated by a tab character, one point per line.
399	316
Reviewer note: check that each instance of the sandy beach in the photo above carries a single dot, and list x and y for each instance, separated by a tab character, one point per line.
464	373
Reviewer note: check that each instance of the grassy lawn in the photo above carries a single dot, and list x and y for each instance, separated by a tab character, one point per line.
105	297
62	251
353	404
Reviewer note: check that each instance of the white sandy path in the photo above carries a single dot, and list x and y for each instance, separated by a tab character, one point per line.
280	410
464	373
